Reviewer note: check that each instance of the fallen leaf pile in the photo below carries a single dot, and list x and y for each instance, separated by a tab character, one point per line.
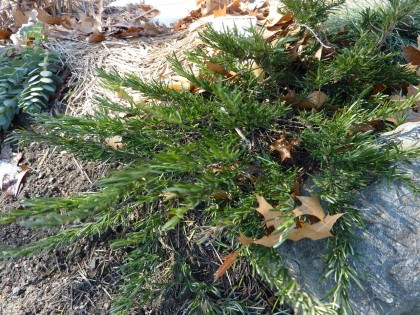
93	26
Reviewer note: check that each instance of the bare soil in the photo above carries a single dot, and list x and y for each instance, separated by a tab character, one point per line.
78	279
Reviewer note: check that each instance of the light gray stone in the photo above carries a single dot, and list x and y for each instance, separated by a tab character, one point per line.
389	248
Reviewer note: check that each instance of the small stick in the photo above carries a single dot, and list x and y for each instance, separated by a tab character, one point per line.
82	171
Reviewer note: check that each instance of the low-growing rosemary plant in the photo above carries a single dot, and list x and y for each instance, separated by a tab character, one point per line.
195	159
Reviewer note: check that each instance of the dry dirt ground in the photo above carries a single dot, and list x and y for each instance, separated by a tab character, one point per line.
79	279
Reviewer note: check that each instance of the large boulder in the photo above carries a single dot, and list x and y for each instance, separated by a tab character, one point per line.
389	245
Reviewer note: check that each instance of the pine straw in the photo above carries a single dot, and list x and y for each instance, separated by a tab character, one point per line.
144	57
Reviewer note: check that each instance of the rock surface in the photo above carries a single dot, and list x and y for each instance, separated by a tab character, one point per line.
390	247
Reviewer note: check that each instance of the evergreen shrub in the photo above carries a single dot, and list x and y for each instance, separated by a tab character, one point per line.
193	160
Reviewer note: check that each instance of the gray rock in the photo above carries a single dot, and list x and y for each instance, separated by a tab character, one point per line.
389	247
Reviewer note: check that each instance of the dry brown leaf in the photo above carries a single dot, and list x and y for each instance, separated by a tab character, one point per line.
87	24
318	54
296	50
275	18
378	88
271	217
150	29
168	196
180	84
11	174
293	30
376	124
5	34
19	178
317	98
129	32
399	116
245	240
288	98
270	36
60	32
44	17
411	55
96	38
324	52
228	262
221	195
210	5
216	67
413	90
20	18
268	241
257	71
115	142
220	12
314	100
310	206
315	231
296	188
283	147
234	5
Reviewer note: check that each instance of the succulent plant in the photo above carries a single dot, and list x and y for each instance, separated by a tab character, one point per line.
27	80
8	109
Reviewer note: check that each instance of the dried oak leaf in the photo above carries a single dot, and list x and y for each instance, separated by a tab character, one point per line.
220	69
5	34
283	146
228	262
269	240
411	55
115	142
315	231
96	38
324	52
11	173
257	71
179	84
220	12
313	100
289	98
270	217
221	195
273	219
216	67
376	124
310	206
276	19
245	240
20	18
44	17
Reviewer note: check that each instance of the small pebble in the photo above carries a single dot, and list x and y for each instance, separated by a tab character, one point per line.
16	291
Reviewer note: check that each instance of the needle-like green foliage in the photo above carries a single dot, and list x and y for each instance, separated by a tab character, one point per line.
192	163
